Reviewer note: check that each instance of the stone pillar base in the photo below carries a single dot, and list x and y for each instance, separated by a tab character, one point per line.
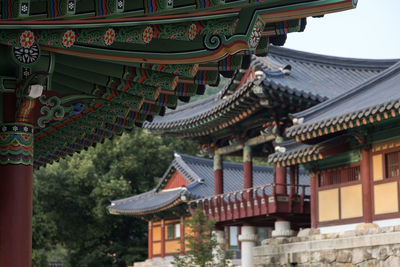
248	239
219	252
282	229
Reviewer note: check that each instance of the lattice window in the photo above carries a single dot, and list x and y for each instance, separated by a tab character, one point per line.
339	175
392	162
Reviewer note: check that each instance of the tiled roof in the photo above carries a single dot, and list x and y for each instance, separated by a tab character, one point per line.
297	153
311	76
374	100
202	185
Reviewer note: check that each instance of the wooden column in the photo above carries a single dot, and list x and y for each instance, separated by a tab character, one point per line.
280	180
218	175
366	184
182	252
247	167
162	238
292	174
16	176
150	240
313	199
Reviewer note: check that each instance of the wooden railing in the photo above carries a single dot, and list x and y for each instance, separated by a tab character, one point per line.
255	201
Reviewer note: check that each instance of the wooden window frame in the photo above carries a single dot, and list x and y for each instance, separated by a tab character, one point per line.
341	183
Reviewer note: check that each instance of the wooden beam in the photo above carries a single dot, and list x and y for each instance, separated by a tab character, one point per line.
261	139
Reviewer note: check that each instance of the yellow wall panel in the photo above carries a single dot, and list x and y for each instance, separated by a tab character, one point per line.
172	246
157	248
377	167
351	202
157	233
386	198
328	205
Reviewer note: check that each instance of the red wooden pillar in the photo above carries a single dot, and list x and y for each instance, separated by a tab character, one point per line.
292	174
162	238
280	180
16	173
218	175
366	185
313	199
247	167
182	237
150	240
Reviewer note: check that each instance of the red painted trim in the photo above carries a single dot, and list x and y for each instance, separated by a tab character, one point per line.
16	215
365	171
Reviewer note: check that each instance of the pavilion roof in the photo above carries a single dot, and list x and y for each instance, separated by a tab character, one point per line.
373	101
309	77
108	65
200	174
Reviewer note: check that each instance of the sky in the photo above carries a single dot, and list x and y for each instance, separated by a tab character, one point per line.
371	30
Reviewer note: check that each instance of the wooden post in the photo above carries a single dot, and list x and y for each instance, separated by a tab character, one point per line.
247	167
182	252
150	240
366	185
162	238
280	180
292	174
16	189
16	180
313	199
218	175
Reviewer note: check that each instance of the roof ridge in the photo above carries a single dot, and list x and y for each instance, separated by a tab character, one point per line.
331	60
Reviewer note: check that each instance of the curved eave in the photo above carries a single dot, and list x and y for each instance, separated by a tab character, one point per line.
321	120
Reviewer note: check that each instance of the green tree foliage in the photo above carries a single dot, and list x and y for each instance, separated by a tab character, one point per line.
202	249
72	196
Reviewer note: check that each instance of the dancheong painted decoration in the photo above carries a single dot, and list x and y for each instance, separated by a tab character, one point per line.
106	66
73	73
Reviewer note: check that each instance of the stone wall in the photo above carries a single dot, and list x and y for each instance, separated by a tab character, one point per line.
369	245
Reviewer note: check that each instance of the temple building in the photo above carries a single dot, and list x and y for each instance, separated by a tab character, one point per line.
189	179
351	147
249	118
74	73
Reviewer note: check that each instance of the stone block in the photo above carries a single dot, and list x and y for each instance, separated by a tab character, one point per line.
308	232
392	261
328	256
316	256
349	233
360	255
364	226
344	256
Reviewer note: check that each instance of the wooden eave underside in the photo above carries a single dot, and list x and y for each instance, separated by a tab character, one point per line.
105	69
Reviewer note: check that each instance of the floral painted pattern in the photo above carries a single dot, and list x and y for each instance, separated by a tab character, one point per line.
27	39
109	36
148	34
69	38
192	31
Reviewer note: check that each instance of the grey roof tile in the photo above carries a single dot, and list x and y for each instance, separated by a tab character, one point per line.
312	76
200	172
376	95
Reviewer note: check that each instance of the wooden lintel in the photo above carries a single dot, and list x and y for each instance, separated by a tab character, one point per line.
261	139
